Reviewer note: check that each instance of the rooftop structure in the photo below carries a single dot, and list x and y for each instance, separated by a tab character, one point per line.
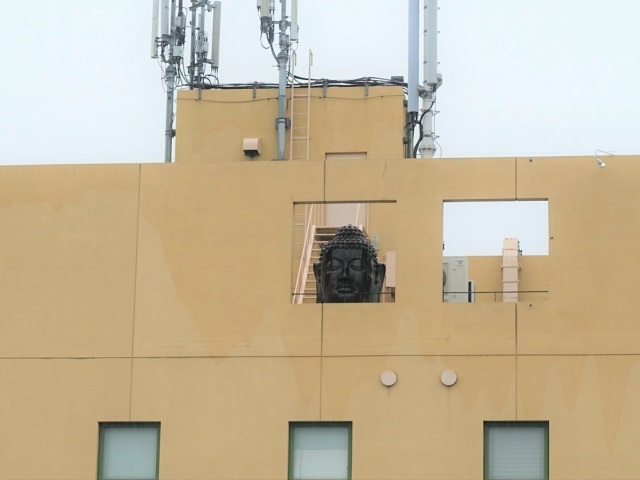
151	327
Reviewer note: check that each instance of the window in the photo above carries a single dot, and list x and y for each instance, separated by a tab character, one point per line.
128	451
516	450
320	450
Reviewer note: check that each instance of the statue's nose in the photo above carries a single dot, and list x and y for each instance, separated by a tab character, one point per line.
345	269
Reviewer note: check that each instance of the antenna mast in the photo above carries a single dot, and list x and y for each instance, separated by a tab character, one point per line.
267	28
431	80
413	86
168	48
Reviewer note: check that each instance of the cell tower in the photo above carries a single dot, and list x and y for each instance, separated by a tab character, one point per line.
266	10
426	143
168	46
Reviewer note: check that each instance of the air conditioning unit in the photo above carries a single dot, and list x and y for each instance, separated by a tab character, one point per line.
456	286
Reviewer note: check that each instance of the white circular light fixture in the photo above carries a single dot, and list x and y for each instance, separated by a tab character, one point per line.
388	378
448	377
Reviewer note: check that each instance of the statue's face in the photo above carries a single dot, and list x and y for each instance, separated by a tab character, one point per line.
346	275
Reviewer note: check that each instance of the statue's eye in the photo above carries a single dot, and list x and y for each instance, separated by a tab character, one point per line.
335	265
356	265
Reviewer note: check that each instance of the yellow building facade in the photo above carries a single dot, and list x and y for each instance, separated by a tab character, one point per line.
162	293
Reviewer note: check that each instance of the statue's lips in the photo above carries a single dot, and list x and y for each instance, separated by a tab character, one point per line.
345	289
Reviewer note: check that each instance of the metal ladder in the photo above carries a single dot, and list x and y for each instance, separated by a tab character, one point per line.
300	114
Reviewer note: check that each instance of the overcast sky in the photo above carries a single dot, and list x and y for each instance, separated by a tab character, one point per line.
521	77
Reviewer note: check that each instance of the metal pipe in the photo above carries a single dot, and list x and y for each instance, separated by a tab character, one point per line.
192	65
171	85
168	132
203	48
283	58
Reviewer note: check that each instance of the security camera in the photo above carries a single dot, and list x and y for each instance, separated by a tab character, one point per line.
600	163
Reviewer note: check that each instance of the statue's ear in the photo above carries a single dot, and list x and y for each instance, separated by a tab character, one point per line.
317	274
378	280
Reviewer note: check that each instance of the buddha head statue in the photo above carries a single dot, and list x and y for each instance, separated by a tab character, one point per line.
348	270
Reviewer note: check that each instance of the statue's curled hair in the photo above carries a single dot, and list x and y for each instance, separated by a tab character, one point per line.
349	236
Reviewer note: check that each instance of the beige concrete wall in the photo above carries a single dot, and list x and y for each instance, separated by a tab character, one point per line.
68	247
594	217
49	412
590	402
419	428
212	124
162	292
214	260
533	278
225	418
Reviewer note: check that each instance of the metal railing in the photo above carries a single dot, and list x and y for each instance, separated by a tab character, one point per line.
495	296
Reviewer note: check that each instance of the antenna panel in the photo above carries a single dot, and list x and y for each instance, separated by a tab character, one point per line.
154	28
414	56
265	8
164	18
431	43
294	21
215	34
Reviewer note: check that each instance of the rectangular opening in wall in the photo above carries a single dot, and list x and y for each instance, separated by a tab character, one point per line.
495	251
343	253
345	156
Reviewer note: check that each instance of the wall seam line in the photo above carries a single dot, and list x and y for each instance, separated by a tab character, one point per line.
324	200
465	355
516	178
516	356
515	188
324	180
373	355
135	291
321	357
